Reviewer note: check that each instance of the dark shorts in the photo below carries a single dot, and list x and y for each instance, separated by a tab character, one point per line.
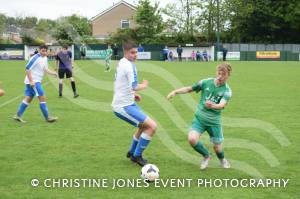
63	71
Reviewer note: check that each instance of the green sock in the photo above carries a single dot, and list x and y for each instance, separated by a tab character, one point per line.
201	149
220	155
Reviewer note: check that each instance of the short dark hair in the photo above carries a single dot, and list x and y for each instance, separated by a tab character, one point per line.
128	45
65	46
43	46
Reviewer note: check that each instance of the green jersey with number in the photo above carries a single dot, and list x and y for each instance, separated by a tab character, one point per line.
108	53
209	91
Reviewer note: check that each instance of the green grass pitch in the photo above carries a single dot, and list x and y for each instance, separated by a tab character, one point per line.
261	130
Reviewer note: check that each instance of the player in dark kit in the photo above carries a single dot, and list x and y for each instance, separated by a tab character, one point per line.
64	65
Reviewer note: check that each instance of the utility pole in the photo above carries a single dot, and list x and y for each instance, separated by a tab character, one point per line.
218	26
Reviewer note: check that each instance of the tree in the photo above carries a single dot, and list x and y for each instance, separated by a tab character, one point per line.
264	21
2	23
149	22
182	15
72	29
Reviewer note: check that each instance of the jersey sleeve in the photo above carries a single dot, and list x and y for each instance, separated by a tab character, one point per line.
227	95
32	62
132	77
198	86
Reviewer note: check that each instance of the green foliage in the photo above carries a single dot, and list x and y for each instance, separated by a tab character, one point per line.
149	21
72	29
264	21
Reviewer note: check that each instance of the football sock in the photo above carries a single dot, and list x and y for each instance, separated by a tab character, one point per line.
60	89
73	86
201	149
22	108
134	143
44	109
143	143
220	155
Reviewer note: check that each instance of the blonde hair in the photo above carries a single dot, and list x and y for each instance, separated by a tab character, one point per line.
225	66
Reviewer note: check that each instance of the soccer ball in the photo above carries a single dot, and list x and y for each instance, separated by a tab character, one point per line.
150	172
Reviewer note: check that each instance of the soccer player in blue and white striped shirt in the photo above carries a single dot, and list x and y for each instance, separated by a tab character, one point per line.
124	107
35	69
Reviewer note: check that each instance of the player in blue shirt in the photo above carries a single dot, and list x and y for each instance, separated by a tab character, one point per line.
124	107
35	69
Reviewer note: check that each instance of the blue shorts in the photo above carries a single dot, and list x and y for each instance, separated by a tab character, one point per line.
36	91
131	114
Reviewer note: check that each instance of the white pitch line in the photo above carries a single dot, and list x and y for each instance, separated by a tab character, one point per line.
15	98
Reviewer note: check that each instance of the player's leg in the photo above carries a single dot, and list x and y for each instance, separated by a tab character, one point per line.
135	141
29	94
69	74
216	137
43	106
61	74
196	130
108	65
149	127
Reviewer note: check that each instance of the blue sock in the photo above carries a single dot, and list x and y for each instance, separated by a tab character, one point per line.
44	109
22	108
143	143
134	143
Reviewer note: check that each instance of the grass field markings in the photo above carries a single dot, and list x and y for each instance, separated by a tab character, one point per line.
171	112
227	121
195	159
253	146
18	97
259	124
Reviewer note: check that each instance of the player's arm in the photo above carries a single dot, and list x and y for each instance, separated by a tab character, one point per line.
57	63
50	72
141	86
29	76
222	103
212	105
182	90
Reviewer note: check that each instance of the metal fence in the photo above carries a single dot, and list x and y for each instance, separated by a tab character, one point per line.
233	47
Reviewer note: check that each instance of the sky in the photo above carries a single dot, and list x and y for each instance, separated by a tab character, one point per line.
52	9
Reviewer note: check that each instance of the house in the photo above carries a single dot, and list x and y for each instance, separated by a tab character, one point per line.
120	15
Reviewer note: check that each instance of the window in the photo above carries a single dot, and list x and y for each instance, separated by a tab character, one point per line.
124	24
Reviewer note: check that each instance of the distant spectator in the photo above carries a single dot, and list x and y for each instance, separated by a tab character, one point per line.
165	53
35	51
193	56
82	51
224	53
140	48
198	56
179	52
115	51
205	55
170	56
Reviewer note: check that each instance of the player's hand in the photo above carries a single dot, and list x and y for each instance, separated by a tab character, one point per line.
137	97
145	83
171	95
209	104
32	84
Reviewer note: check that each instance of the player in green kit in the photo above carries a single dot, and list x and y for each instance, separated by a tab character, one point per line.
108	58
215	94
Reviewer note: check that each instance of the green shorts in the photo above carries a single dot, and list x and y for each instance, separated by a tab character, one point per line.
215	132
107	60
